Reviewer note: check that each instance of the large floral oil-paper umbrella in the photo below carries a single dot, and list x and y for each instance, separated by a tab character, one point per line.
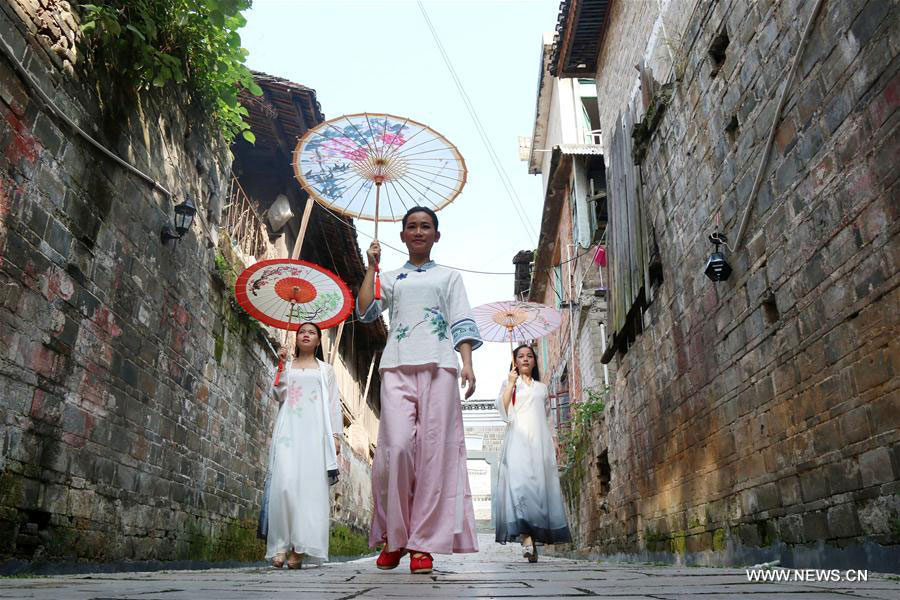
284	293
515	321
376	166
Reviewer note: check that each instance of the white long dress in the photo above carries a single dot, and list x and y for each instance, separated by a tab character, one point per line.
528	499
302	451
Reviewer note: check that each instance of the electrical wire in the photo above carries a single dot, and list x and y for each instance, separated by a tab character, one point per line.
482	132
47	102
352	227
51	106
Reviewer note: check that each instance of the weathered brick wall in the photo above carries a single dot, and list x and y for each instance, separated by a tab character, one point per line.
623	47
555	350
758	418
593	308
133	400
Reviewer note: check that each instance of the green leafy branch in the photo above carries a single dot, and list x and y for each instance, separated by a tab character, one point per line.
575	442
190	42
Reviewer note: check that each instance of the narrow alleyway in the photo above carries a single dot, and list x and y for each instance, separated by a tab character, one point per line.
496	572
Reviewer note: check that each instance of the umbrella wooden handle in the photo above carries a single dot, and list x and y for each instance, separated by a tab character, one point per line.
379	179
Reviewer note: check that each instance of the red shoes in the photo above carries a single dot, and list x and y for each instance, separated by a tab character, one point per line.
389	560
420	562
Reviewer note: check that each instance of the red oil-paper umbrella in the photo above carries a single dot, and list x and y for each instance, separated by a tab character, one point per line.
284	293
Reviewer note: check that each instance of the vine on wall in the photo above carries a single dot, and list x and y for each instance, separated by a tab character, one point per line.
573	441
576	442
228	271
191	42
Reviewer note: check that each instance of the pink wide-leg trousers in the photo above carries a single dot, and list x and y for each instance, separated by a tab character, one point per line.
420	484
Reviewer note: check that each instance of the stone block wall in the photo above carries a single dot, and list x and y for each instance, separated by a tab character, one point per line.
624	46
757	418
134	402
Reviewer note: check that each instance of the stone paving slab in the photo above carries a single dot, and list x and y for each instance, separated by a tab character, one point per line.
495	572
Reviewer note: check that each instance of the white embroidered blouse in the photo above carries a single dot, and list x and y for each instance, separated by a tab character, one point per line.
429	316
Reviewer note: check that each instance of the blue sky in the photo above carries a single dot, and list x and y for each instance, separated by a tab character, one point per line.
380	56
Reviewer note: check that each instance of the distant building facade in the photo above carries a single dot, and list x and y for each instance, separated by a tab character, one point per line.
565	150
484	431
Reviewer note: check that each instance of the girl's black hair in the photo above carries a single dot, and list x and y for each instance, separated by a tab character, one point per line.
318	353
423	209
535	372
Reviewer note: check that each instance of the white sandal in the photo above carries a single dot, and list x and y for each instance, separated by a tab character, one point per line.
530	553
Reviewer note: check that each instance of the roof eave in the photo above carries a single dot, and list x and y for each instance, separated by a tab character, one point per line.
560	163
581	27
541	112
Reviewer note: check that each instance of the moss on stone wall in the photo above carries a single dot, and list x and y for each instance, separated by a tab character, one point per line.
235	541
719	539
220	347
238	541
9	488
344	541
678	543
574	473
655	542
228	267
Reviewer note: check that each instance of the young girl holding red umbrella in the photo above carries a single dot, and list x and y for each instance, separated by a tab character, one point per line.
422	501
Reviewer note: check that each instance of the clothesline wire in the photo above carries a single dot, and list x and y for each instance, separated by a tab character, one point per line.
482	132
340	220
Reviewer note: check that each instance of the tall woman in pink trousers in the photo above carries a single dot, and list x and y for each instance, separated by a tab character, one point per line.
423	504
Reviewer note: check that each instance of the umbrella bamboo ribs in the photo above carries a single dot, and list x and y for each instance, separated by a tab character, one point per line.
284	293
338	161
515	321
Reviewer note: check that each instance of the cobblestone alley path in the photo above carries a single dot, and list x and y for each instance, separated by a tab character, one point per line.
496	572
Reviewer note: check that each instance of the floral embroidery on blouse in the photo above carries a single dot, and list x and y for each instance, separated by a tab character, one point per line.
433	316
429	314
438	322
401	332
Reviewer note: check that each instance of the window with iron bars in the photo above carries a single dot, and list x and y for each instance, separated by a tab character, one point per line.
562	410
559	402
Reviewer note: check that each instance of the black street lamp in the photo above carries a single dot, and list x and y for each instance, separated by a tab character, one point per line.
717	268
184	216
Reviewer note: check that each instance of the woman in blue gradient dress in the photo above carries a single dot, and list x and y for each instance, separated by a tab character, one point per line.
528	506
